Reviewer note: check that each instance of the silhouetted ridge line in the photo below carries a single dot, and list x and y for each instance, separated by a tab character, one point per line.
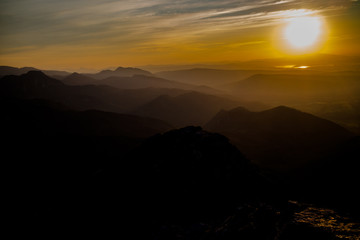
192	174
45	118
119	72
280	137
190	108
78	79
33	82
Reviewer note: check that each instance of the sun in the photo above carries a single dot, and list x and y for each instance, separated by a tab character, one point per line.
303	32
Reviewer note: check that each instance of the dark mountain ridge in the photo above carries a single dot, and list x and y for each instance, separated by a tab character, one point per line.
281	138
6	70
119	72
203	76
78	79
142	81
36	84
46	118
296	88
191	108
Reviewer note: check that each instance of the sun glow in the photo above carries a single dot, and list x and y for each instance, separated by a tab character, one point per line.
303	32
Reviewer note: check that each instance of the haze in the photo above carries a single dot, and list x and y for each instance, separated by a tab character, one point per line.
72	35
182	119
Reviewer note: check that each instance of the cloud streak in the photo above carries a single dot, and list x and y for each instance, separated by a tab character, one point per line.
32	24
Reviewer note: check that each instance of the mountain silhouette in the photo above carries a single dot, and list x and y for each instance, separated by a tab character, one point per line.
142	81
191	108
119	72
191	175
55	156
203	76
46	118
281	138
29	84
317	62
6	70
135	82
36	84
78	79
296	88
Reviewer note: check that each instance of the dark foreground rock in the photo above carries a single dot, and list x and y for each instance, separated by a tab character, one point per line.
183	184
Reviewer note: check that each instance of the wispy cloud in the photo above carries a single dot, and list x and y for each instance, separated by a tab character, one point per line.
29	24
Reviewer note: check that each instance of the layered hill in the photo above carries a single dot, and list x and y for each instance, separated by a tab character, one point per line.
296	88
78	79
332	96
203	76
191	108
142	81
191	174
7	70
36	84
46	118
119	72
281	138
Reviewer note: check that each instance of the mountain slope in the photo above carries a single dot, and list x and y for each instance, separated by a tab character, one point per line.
187	109
78	79
119	72
202	76
279	138
142	81
194	170
35	84
6	70
45	118
296	88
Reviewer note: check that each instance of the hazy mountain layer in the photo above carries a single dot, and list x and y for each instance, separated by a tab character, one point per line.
119	72
78	79
280	138
186	109
35	84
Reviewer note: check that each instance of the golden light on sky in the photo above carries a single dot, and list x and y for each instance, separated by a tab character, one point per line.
102	33
303	32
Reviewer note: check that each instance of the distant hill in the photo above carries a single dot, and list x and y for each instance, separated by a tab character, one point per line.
142	81
332	96
78	79
45	118
31	83
295	88
281	138
6	70
135	82
187	109
119	72
36	84
203	76
318	62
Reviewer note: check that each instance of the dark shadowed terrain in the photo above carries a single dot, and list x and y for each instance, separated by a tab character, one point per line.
121	154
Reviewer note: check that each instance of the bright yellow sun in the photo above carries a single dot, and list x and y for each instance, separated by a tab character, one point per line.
303	32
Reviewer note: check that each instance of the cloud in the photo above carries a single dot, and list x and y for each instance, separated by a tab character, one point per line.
27	24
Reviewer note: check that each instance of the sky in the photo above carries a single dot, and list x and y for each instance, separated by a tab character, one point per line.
96	34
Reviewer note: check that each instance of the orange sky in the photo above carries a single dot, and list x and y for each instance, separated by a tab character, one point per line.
97	34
